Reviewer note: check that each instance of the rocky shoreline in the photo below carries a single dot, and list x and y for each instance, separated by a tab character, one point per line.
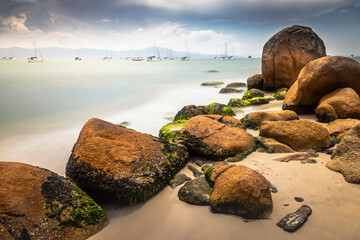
228	157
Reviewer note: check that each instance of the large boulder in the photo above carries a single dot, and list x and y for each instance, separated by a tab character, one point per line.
341	103
300	135
340	127
36	203
286	53
256	81
254	120
346	156
210	138
110	160
242	191
320	77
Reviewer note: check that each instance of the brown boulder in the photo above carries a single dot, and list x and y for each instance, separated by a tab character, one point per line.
256	81
340	127
300	135
242	191
346	156
273	146
254	120
286	53
121	163
36	203
320	77
210	138
341	103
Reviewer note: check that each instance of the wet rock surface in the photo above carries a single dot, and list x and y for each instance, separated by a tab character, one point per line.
254	119
189	111
194	171
230	90
196	192
295	220
178	180
256	81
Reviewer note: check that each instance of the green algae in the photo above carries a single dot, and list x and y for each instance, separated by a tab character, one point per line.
220	109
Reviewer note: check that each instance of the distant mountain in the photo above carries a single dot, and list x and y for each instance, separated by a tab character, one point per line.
87	53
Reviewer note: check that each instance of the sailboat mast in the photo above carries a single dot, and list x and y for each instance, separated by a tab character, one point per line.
225	49
35	49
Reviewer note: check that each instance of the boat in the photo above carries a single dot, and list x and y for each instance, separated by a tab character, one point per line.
226	57
352	56
78	59
36	59
154	58
249	56
138	59
187	56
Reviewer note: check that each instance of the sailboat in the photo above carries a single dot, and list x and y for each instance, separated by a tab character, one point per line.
154	58
226	57
187	56
36	59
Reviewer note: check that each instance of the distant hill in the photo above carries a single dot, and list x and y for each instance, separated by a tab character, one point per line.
87	53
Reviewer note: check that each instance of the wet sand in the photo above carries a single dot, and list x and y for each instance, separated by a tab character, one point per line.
335	205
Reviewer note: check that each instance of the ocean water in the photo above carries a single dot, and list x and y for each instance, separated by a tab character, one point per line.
44	105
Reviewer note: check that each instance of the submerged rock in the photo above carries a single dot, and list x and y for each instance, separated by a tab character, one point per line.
300	135
196	192
178	180
189	111
256	81
109	160
241	191
320	77
295	220
286	53
341	103
36	203
210	138
236	85
231	90
346	156
212	83
194	170
254	120
252	93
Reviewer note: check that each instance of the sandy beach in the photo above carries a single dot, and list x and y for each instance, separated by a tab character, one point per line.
336	212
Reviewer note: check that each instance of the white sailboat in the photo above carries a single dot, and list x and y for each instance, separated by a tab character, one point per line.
154	58
226	57
187	56
35	59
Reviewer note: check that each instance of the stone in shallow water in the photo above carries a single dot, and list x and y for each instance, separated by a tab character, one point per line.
295	220
196	192
178	180
194	170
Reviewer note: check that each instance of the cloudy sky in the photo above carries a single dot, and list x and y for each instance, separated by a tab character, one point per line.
204	25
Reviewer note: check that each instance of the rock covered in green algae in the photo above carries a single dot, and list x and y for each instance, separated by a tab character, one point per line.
236	85
212	83
242	191
178	180
167	133
196	192
36	203
230	90
252	93
109	160
280	93
189	111
219	109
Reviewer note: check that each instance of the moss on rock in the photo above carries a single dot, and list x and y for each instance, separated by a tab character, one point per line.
168	132
252	93
219	109
280	93
237	102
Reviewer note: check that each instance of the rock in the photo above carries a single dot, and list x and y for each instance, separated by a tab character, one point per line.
252	93
196	192
194	170
308	161
178	180
212	71
168	132
236	85
189	111
280	94
340	127
298	199
212	83
254	120
237	102
273	146
258	100
113	161
231	121
286	53
320	77
295	220
300	135
273	188
219	109
210	138
199	163
295	157
242	191
36	203
256	81
212	172
341	103
346	156
231	90
330	150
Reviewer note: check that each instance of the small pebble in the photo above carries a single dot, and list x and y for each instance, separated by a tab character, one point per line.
299	199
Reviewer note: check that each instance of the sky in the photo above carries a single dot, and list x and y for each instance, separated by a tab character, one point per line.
202	25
